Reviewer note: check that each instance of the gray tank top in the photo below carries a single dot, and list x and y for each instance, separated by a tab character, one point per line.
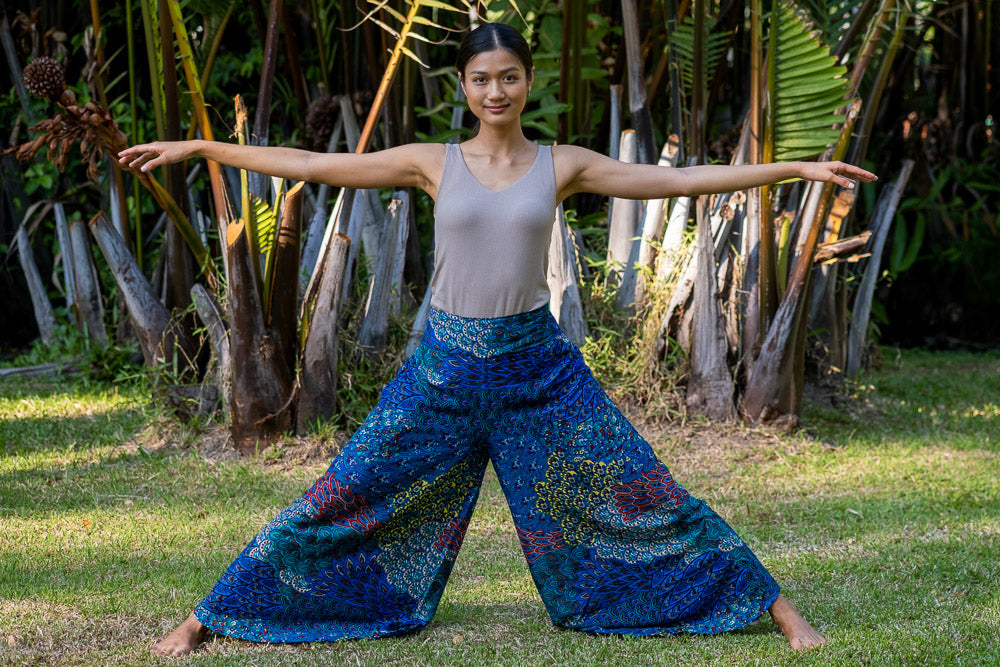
491	248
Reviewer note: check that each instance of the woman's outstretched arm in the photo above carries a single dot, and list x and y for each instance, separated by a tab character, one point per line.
582	170
411	165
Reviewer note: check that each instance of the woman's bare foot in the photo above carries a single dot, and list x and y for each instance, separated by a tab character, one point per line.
797	631
184	639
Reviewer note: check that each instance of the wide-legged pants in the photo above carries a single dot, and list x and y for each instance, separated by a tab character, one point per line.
612	542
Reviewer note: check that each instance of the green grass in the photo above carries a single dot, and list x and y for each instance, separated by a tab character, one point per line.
881	521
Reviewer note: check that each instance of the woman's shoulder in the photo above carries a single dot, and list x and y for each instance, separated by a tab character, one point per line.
570	160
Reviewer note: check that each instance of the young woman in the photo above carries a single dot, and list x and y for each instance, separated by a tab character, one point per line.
613	544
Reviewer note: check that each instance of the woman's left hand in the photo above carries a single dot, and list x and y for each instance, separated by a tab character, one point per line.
840	173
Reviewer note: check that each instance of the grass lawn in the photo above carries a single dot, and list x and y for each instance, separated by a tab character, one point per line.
881	521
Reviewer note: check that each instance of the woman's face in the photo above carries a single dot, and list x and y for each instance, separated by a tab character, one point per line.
496	85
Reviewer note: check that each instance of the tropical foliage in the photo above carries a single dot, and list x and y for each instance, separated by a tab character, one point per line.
739	298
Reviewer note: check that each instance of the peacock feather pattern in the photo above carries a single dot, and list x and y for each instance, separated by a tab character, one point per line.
613	543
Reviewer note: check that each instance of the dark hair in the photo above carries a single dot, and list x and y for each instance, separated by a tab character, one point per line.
490	36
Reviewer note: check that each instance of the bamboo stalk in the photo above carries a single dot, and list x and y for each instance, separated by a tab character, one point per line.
387	78
767	274
698	119
135	131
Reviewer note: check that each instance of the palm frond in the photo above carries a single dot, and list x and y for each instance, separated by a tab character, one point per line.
682	41
809	88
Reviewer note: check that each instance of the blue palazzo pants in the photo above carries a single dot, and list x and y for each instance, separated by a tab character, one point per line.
613	543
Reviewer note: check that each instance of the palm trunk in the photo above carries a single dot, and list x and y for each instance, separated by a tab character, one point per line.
774	387
863	301
710	387
375	326
624	217
88	291
44	315
210	313
258	182
149	317
643	253
641	119
317	399
262	384
562	278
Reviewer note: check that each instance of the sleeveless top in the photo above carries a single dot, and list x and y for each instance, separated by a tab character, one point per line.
491	247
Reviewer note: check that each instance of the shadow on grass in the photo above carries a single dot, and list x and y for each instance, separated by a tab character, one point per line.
22	436
180	482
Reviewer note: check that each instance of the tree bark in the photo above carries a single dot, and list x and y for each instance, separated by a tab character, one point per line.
710	388
863	301
625	213
44	315
638	107
149	317
375	326
262	384
210	313
643	253
562	278
88	291
317	400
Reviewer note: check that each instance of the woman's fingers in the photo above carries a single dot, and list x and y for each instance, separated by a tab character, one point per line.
145	156
841	173
852	171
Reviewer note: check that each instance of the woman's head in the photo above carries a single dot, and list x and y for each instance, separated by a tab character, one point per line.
491	36
494	67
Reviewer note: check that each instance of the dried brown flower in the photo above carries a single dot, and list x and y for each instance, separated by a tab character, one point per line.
45	77
91	124
320	119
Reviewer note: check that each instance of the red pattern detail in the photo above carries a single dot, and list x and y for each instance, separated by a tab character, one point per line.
537	543
336	503
451	537
654	487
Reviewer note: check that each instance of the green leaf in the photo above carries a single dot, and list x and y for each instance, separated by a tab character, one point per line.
796	124
436	4
395	14
413	56
265	221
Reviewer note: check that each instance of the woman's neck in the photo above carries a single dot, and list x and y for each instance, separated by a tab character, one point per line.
500	140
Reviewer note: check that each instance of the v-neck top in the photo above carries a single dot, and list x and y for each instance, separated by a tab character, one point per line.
491	246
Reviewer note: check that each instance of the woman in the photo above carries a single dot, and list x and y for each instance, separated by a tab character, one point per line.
613	544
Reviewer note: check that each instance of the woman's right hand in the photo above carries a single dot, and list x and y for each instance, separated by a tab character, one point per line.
146	156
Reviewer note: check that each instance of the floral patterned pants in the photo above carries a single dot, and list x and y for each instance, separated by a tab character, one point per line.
613	543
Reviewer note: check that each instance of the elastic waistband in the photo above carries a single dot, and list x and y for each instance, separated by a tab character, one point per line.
490	336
